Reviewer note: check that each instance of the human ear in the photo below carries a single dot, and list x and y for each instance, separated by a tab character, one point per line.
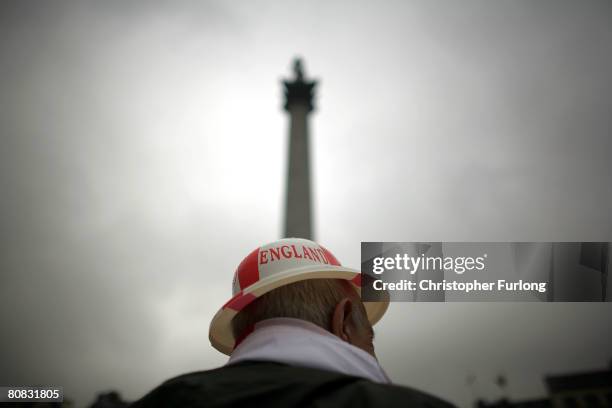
341	319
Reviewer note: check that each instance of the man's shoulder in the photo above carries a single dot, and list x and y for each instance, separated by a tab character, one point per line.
276	384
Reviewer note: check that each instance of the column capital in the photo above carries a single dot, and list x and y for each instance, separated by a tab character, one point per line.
299	90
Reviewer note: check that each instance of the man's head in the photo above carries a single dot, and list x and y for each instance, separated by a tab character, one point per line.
332	304
295	277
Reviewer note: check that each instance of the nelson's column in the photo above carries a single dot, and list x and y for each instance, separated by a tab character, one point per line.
299	93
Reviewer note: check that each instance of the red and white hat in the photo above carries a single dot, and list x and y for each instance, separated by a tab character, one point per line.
276	264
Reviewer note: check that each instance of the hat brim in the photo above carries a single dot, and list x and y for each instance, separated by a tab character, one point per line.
220	333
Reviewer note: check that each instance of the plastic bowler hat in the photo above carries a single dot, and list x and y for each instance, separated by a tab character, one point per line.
277	264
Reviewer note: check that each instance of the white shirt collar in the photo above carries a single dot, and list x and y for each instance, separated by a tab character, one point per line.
301	343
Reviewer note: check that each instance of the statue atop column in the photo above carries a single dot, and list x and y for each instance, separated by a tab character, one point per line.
298	70
299	90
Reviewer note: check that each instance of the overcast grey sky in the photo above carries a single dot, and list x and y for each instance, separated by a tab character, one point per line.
143	155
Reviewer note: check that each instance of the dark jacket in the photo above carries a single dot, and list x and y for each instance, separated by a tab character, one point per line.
268	385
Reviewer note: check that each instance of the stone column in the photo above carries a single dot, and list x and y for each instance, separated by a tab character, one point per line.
298	103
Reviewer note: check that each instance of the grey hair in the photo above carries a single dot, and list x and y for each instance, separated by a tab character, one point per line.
313	300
